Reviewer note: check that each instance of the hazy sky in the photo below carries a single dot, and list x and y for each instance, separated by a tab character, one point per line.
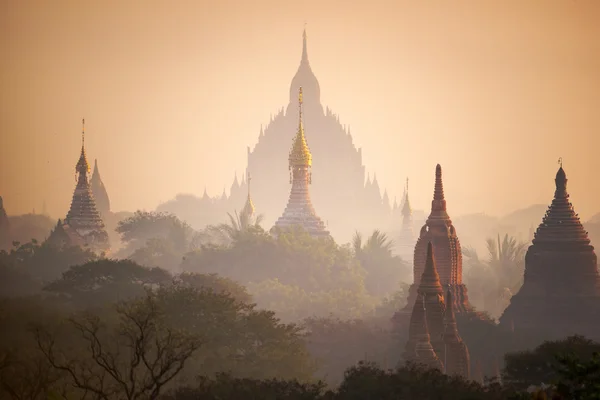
174	91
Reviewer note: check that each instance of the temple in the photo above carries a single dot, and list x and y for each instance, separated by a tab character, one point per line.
433	333
99	192
83	225
406	240
299	210
561	287
439	231
338	188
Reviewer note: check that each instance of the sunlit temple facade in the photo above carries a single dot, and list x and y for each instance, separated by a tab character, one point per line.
83	225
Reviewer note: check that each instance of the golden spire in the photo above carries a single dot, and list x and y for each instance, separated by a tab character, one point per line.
249	206
300	154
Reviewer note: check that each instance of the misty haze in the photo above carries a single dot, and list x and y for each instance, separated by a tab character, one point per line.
315	200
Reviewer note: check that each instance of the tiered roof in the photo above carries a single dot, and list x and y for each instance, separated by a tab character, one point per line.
561	226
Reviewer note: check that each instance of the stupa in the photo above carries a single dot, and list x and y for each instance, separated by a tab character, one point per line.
560	295
249	208
299	210
99	191
439	231
83	224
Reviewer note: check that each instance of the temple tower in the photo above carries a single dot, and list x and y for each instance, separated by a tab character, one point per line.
456	354
406	242
418	348
299	210
439	231
83	223
249	208
561	288
99	191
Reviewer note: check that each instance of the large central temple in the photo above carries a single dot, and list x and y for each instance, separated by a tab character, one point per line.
338	188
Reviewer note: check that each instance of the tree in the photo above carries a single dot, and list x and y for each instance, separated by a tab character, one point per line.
541	365
136	230
216	283
134	360
225	386
384	270
500	276
105	281
240	226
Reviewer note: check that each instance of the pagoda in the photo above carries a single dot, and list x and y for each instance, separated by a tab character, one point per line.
299	210
248	208
561	288
83	224
439	231
99	192
406	240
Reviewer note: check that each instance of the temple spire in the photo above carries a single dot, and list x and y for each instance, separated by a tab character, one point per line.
300	154
82	167
406	210
249	206
304	50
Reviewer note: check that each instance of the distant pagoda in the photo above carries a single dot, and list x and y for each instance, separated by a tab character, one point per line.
299	210
561	288
439	231
406	241
99	191
83	224
249	209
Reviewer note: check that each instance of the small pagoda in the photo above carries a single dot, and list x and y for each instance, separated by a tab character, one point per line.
83	225
249	209
299	210
440	232
99	192
406	240
560	295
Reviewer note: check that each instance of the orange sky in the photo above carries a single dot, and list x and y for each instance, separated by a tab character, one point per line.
173	92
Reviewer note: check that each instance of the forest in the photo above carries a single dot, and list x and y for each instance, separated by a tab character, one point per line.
232	312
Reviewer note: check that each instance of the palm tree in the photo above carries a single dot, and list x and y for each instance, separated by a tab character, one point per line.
377	243
238	227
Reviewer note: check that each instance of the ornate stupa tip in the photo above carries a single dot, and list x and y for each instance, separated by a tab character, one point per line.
439	186
82	166
406	209
561	178
300	154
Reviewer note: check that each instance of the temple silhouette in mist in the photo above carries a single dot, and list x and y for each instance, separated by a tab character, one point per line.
347	199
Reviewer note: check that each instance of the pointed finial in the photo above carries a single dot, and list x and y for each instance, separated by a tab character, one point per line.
560	161
304	50
82	132
407	183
